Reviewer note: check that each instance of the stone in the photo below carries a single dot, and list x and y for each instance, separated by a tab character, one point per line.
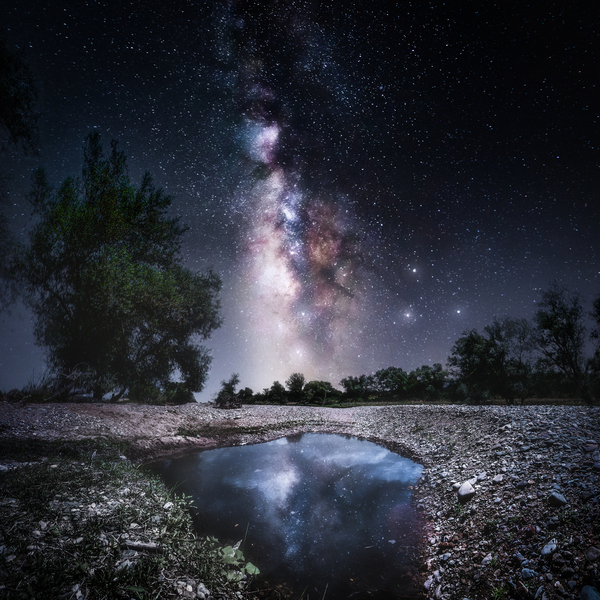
523	591
498	479
528	574
589	593
539	592
557	499
549	548
202	591
465	492
592	554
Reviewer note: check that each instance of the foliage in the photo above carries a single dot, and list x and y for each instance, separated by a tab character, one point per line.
18	100
84	550
561	336
595	336
320	392
104	277
426	382
246	395
227	397
295	385
233	557
357	387
392	381
496	363
277	393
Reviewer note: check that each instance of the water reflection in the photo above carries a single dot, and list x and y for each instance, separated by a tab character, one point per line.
319	509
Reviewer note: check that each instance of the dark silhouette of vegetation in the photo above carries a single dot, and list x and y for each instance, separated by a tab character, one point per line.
560	338
516	358
512	359
18	101
103	275
498	362
18	130
227	396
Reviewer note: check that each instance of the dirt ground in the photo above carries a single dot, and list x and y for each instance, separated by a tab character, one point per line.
529	529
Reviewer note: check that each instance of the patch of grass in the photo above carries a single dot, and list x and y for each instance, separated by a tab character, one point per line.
102	528
499	593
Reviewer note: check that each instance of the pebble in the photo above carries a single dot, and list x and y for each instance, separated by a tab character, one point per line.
589	593
592	554
557	499
549	548
466	492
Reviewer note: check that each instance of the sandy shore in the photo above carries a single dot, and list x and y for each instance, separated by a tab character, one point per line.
531	529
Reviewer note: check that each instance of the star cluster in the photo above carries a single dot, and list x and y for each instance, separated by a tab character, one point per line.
369	179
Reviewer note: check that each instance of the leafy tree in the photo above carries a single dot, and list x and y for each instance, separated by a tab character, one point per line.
320	392
357	387
295	386
498	362
595	335
513	351
561	337
469	359
426	382
391	381
227	398
18	128
277	393
103	275
246	395
18	100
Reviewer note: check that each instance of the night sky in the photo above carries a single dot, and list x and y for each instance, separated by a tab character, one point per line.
370	179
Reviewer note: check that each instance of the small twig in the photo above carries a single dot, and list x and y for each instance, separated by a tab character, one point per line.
148	546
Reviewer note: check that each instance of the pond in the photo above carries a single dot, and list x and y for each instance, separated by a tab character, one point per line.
318	513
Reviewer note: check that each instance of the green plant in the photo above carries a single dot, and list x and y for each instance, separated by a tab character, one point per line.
93	512
498	593
232	555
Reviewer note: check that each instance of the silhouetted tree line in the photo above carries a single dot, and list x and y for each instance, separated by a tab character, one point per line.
512	359
517	359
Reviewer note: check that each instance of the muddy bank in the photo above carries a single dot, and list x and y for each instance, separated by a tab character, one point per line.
528	527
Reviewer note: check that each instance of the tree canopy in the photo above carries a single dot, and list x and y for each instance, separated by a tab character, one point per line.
561	336
18	100
104	277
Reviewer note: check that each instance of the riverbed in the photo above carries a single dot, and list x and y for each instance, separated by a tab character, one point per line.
530	529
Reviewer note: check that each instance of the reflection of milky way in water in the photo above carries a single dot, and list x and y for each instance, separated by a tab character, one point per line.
320	509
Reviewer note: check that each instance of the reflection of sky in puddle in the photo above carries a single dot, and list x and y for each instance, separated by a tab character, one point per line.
318	507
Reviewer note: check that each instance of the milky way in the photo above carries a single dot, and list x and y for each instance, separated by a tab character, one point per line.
369	179
300	284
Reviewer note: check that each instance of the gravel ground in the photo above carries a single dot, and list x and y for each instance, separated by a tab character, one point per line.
527	525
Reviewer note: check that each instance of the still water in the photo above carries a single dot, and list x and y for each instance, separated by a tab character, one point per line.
319	512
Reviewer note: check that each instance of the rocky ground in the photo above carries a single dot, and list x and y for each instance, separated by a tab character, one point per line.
510	496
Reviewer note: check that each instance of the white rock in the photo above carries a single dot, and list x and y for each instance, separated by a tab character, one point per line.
466	492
